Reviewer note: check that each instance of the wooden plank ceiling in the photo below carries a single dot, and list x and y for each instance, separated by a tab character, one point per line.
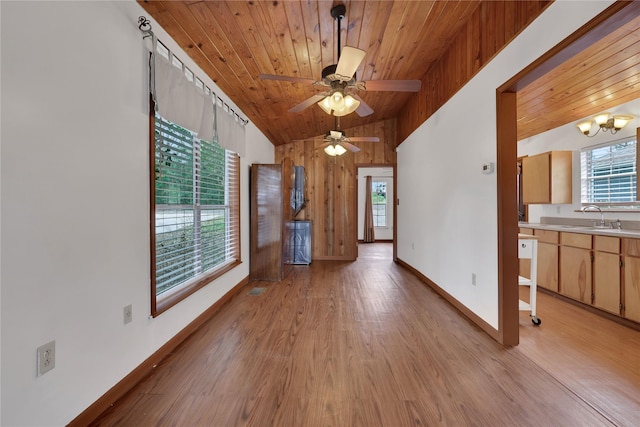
599	78
236	41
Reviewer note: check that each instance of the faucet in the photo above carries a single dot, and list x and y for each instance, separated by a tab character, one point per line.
593	208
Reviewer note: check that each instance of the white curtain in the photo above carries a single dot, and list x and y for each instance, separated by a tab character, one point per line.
230	131
180	100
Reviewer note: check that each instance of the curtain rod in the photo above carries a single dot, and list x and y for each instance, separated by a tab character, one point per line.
145	27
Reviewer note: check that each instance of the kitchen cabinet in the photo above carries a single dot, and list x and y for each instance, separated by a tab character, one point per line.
575	266
606	273
546	178
631	287
547	259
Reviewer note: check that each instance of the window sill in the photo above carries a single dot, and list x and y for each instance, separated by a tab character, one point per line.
163	304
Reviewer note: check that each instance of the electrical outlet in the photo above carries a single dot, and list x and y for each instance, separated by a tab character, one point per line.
46	357
127	312
473	279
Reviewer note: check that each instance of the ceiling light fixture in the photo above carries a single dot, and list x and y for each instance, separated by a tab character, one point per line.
335	150
339	104
605	123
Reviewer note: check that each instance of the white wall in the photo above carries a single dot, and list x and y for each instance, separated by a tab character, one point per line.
447	215
568	137
379	173
75	206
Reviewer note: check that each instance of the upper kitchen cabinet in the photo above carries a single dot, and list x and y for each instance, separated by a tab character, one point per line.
546	178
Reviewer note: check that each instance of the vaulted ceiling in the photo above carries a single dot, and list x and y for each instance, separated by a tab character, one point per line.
236	41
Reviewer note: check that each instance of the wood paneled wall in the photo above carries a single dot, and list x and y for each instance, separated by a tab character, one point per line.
332	186
490	28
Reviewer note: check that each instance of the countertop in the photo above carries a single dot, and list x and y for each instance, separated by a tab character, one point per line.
569	228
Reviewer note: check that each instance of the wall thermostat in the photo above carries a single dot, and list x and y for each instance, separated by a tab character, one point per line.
488	168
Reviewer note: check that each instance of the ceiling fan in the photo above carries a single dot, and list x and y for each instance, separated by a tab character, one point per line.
336	143
340	99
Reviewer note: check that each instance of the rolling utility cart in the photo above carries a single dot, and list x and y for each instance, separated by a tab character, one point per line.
528	249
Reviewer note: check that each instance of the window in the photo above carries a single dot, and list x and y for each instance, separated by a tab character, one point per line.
379	201
195	222
608	173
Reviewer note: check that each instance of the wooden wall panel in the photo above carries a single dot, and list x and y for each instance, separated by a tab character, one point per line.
490	28
332	186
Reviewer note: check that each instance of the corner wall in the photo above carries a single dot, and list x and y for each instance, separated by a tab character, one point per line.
447	215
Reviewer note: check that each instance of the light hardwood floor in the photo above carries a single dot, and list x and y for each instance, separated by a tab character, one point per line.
368	344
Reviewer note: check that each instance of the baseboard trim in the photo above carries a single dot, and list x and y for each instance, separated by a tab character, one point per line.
474	318
146	368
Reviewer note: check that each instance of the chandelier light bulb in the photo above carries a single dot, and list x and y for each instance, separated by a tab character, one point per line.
337	101
621	121
601	119
585	127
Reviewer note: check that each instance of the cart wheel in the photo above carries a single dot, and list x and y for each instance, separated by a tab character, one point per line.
536	321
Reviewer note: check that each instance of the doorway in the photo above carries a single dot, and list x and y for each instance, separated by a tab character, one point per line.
612	18
383	200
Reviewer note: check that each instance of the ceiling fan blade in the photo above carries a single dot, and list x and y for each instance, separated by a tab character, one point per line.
307	103
364	139
363	109
349	147
349	61
393	85
286	78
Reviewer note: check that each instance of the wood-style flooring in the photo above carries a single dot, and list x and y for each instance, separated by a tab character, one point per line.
366	343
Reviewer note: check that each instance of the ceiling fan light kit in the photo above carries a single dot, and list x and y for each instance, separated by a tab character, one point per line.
605	123
335	150
337	104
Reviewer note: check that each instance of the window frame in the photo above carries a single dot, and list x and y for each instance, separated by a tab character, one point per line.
182	291
586	181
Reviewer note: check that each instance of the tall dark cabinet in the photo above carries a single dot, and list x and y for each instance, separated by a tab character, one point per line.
271	254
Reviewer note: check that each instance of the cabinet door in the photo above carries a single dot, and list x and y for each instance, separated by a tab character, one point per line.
632	288
536	175
265	261
548	266
606	281
575	273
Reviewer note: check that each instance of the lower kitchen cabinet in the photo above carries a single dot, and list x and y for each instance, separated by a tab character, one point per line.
575	266
595	269
606	273
547	259
631	263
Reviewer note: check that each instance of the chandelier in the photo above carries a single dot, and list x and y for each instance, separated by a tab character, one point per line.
605	123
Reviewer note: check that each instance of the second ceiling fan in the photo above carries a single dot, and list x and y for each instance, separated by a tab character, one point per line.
336	143
340	99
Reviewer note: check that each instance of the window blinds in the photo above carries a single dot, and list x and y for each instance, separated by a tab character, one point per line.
609	173
196	206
